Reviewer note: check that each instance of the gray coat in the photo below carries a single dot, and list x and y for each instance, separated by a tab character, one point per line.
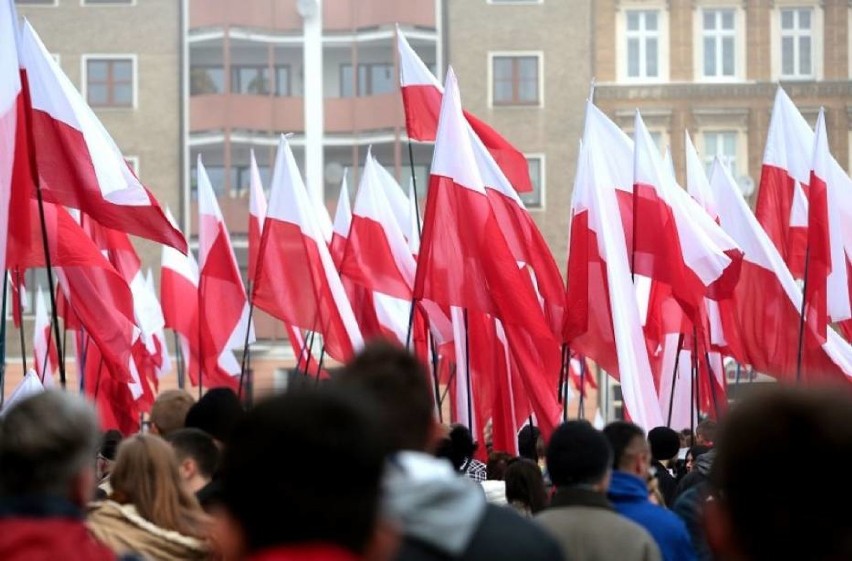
589	529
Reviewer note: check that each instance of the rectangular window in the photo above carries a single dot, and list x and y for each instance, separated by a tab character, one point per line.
282	81
514	80
109	82
724	145
719	40
797	43
242	179
373	79
206	80
643	44
247	79
534	198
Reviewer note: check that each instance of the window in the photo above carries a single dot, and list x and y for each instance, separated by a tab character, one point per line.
206	80
797	43
282	81
109	82
250	80
722	144
216	173
535	198
36	2
719	40
643	44
515	80
373	79
242	179
109	2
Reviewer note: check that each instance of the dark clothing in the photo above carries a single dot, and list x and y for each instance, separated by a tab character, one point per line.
629	494
690	507
699	474
47	528
501	535
665	481
304	553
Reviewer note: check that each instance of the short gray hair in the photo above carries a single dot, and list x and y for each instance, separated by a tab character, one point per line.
45	441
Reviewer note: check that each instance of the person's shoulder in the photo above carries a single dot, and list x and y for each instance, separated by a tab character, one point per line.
509	536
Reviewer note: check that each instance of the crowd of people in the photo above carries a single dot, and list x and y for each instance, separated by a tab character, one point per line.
358	468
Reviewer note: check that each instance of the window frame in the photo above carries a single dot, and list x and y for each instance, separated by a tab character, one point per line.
134	81
718	34
539	56
740	157
542	158
207	67
797	33
367	90
817	40
663	42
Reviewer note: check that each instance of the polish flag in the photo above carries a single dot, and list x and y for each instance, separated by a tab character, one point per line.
223	309
421	97
28	387
179	297
827	292
602	312
786	161
396	199
257	213
78	163
156	342
768	301
342	224
46	359
296	279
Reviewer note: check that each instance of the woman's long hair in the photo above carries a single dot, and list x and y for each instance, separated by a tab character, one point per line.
525	485
146	475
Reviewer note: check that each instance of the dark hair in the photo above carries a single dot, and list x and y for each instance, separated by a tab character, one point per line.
707	431
399	384
528	438
216	413
665	443
578	454
621	435
198	445
281	499
772	515
525	484
459	447
109	444
495	469
696	451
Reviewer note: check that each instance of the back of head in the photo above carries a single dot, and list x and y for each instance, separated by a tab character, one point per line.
764	478
525	485
109	444
461	447
46	442
146	476
627	440
578	454
398	383
705	433
216	413
495	469
528	439
327	492
665	443
198	446
168	413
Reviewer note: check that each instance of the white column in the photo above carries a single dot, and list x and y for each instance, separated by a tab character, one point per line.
311	12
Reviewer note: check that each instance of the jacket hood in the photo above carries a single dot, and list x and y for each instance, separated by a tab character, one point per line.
625	487
433	503
705	461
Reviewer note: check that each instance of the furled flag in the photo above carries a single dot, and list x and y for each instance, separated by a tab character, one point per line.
78	163
257	213
46	359
342	223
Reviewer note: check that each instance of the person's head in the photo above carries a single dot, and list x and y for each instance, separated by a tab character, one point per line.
146	475
278	499
197	455
216	413
495	469
106	453
685	438
47	446
525	485
578	454
692	455
530	443
459	446
664	442
630	450
399	385
761	510
168	413
705	433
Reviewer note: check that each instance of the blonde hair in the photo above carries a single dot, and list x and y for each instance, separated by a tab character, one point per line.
146	475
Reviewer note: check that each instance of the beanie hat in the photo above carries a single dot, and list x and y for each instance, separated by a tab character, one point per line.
216	413
665	443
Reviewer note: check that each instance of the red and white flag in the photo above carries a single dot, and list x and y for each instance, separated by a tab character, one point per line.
602	312
79	164
421	97
257	214
768	301
156	341
223	309
179	298
46	359
296	279
341	226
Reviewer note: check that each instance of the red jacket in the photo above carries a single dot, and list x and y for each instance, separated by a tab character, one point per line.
307	552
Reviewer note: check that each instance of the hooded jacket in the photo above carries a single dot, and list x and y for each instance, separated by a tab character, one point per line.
445	516
699	474
690	504
123	529
629	494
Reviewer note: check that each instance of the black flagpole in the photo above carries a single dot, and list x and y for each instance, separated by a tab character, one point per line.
3	340
800	348
674	379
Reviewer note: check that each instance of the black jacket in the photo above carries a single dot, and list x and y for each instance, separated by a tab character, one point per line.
667	483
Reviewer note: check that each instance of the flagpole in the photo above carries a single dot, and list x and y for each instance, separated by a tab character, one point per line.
201	360
693	390
3	341
800	347
246	350
436	382
580	406
319	363
21	333
712	375
562	391
39	196
419	231
467	370
674	379
181	380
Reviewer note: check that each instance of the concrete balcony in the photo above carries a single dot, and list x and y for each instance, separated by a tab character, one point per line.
343	15
375	112
255	14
